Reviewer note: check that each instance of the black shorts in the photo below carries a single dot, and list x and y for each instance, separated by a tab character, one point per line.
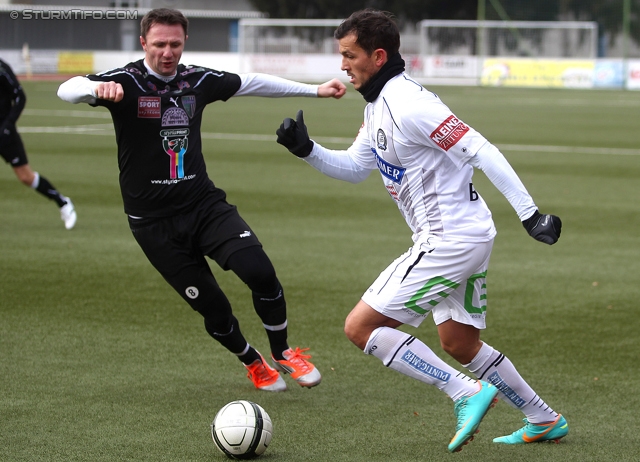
213	228
12	149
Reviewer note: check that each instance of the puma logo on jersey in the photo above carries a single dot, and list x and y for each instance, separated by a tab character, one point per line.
245	234
174	101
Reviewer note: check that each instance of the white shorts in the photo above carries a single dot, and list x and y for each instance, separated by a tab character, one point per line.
445	278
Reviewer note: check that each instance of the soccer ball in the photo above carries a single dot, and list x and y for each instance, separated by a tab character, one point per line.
242	430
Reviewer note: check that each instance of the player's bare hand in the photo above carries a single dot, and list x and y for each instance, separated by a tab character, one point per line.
332	89
111	91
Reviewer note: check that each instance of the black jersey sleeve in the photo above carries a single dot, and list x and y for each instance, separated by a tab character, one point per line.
13	96
219	85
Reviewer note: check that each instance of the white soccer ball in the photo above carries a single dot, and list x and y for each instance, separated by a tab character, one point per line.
242	430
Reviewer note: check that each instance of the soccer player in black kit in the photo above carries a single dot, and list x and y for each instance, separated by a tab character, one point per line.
12	102
176	214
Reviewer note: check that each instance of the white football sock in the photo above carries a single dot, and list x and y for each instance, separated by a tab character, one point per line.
36	180
409	356
492	366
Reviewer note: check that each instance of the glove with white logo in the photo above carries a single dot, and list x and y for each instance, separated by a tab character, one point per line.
543	228
293	135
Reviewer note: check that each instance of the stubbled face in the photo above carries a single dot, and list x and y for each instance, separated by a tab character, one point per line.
163	47
360	66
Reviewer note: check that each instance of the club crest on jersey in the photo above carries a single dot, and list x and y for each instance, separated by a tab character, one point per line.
175	143
174	116
390	171
449	132
381	140
148	107
189	105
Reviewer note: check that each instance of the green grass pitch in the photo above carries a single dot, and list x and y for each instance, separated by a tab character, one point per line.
101	361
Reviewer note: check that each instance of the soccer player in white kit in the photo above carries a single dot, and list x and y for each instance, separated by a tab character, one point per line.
426	156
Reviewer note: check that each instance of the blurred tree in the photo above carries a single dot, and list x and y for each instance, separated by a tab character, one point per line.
608	13
522	10
404	10
411	9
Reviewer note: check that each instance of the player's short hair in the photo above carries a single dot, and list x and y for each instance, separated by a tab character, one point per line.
373	29
166	16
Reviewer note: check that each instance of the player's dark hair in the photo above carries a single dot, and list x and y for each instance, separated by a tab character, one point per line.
166	16
373	29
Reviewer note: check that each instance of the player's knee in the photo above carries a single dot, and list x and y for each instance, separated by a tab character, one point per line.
356	333
218	324
259	278
462	352
255	269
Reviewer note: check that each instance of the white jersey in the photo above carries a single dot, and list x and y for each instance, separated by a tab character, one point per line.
422	151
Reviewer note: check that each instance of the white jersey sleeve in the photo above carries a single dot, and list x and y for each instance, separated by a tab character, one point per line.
78	90
353	165
491	161
256	84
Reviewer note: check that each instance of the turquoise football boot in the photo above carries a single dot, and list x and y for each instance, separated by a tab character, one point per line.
470	410
536	433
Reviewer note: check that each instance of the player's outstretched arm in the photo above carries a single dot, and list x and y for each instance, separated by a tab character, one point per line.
292	134
82	90
332	89
271	86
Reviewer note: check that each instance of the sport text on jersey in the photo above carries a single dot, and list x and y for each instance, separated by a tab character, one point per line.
449	132
149	107
390	171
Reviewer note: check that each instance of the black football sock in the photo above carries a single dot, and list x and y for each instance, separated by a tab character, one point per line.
277	342
250	356
45	188
272	310
233	340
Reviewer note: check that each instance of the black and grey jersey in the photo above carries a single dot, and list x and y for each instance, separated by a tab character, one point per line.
157	125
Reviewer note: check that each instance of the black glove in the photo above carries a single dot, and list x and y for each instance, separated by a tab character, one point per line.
293	135
543	228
